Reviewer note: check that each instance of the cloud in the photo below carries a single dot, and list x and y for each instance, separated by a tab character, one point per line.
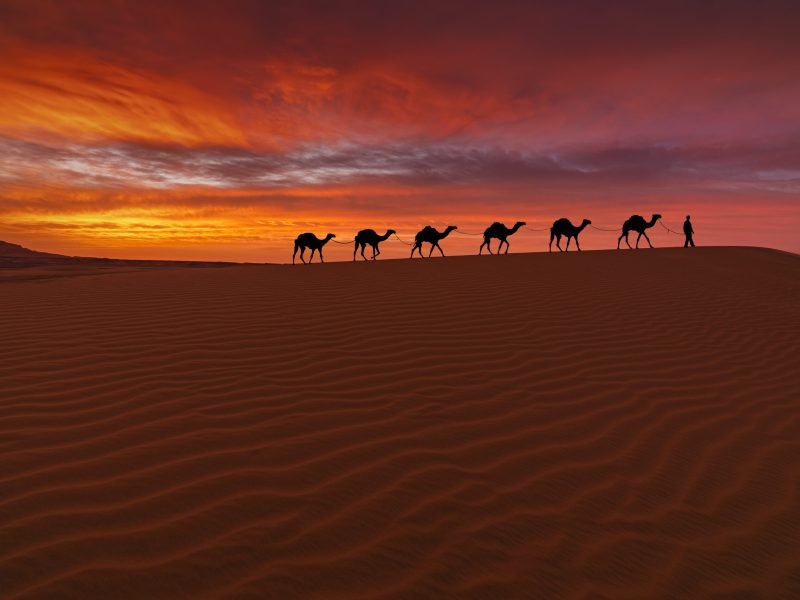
259	76
77	96
128	166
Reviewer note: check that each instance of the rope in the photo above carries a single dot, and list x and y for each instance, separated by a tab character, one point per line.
402	240
351	241
668	229
603	229
524	227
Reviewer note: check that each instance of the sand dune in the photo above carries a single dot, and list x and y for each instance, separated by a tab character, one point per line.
20	263
603	425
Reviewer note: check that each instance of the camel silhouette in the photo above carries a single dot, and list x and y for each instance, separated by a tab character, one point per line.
501	232
369	236
430	235
638	224
309	240
564	227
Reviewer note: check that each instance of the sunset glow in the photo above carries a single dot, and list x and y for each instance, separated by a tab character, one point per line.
220	131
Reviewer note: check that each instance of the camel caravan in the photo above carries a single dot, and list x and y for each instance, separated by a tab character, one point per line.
430	235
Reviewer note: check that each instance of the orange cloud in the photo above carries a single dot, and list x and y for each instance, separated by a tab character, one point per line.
80	97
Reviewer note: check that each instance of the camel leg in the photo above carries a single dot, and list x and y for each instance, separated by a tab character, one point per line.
569	239
638	237
355	249
647	238
375	252
322	260
507	244
558	243
619	240
414	247
302	252
295	252
312	255
363	246
627	241
550	246
577	244
439	247
487	243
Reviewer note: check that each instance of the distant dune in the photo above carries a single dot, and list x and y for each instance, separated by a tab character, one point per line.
8	250
15	256
596	425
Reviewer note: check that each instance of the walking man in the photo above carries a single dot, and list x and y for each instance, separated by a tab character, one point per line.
688	232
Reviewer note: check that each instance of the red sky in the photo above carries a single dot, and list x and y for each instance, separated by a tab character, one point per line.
216	130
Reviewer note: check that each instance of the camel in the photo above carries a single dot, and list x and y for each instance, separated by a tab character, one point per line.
638	224
369	236
564	227
501	232
430	235
309	240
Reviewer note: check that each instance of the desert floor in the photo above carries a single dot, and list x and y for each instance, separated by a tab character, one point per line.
616	424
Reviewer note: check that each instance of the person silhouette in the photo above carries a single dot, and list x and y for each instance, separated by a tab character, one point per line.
688	231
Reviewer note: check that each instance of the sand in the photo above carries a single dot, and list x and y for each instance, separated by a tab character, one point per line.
597	425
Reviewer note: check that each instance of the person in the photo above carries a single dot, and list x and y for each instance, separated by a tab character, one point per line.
688	232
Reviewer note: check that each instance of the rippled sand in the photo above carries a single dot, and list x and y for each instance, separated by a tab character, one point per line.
606	424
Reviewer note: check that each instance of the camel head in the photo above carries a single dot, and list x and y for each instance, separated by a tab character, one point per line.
586	222
390	232
519	224
329	236
450	228
656	217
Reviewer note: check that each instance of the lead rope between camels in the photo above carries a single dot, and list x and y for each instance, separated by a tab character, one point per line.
458	231
402	240
602	228
351	241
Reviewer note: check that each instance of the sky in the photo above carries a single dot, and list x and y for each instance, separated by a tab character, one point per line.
221	130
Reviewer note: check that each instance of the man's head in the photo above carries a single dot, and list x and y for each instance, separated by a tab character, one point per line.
687	217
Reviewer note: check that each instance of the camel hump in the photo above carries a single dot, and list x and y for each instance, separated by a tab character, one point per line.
636	218
427	229
561	222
